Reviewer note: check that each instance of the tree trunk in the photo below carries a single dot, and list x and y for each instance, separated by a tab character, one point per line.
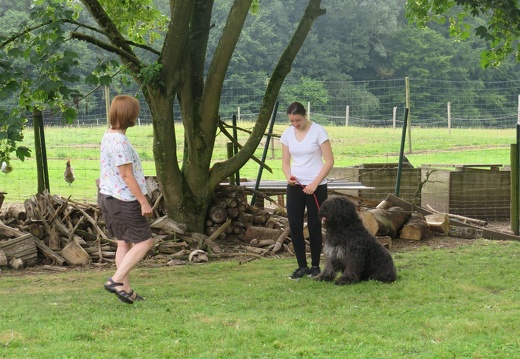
416	228
465	232
189	190
260	233
438	222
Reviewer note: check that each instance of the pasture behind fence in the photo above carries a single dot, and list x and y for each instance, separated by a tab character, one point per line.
439	105
375	103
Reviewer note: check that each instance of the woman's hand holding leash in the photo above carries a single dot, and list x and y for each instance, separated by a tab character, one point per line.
308	189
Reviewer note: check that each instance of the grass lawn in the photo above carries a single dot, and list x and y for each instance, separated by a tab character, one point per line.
351	146
460	302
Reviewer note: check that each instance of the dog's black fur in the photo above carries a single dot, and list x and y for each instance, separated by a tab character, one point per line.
349	248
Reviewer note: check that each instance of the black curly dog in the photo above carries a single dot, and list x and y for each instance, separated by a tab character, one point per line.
349	248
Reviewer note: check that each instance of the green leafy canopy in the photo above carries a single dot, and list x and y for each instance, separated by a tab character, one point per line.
501	32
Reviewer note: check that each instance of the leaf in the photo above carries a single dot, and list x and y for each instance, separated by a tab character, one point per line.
105	80
51	86
92	80
69	115
15	52
22	152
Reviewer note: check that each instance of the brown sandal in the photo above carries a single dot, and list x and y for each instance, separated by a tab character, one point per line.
137	297
121	294
111	285
124	296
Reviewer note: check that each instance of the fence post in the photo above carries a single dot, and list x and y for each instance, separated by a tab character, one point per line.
394	117
449	117
407	86
515	178
107	103
514	210
347	111
309	110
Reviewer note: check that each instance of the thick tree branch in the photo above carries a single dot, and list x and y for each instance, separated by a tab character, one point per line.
130	57
175	44
283	67
199	34
221	59
199	145
111	32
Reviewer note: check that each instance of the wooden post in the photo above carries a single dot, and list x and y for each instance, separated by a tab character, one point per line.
449	117
235	146
309	110
407	87
230	153
347	112
394	117
514	190
401	154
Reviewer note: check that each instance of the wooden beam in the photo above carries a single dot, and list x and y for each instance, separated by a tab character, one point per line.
486	233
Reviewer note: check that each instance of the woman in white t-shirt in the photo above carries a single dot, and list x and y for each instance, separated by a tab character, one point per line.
306	161
122	200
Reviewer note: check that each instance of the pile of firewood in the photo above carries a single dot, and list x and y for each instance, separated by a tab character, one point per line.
395	218
59	231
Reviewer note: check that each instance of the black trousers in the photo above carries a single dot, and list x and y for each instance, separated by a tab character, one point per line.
297	201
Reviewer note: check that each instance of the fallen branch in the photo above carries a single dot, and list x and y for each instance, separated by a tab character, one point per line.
279	242
478	222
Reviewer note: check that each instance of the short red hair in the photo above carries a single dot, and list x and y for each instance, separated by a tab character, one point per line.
123	112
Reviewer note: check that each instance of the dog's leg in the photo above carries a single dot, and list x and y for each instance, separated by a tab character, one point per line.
351	272
328	274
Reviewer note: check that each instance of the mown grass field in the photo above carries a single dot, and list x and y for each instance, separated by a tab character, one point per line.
351	146
447	303
456	302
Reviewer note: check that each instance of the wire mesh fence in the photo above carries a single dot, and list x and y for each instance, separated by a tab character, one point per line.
349	105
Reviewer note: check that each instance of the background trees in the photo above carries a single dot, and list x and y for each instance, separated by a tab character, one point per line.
177	54
180	68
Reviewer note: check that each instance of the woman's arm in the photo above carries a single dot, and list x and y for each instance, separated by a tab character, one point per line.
127	174
326	152
286	165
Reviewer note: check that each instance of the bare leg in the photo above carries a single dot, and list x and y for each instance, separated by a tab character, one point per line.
127	256
122	249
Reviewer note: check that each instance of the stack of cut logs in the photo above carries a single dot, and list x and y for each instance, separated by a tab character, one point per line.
394	218
59	231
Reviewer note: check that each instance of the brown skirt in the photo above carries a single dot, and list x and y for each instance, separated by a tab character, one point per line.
124	220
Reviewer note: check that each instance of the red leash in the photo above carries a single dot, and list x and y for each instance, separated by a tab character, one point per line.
303	187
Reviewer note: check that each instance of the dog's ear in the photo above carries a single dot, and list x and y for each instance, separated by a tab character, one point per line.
349	209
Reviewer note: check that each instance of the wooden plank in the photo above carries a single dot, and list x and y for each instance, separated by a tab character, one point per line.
486	233
49	252
21	247
493	166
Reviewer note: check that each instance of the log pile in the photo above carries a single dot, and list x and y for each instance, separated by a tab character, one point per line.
386	222
394	218
52	230
57	231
